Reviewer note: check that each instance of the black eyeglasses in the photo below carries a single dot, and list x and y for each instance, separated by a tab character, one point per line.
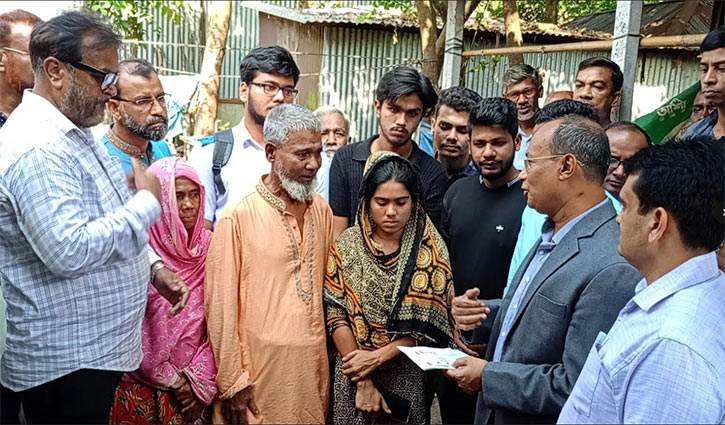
615	162
108	79
271	90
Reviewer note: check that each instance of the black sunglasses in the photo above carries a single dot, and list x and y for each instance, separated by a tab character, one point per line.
108	78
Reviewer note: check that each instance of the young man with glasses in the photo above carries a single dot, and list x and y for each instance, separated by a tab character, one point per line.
140	120
16	74
523	87
230	163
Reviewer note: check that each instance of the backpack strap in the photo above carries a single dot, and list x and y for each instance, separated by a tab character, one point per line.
223	144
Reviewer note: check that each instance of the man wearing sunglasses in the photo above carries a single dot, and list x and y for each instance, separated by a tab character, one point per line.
139	114
74	260
16	73
231	162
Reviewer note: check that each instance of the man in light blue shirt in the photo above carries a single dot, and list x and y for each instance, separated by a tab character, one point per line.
662	361
522	85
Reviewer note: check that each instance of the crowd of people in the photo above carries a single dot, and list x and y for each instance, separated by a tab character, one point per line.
273	276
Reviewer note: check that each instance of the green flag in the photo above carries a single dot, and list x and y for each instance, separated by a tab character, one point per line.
665	121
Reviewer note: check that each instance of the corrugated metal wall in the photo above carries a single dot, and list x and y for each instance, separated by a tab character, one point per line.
354	59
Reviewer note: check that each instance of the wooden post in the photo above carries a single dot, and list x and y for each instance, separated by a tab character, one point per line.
625	46
451	73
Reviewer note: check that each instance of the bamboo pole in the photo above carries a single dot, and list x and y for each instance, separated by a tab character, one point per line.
691	40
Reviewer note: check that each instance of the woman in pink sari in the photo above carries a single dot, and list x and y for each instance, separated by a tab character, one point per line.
176	380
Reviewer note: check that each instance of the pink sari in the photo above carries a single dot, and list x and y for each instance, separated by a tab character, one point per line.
178	346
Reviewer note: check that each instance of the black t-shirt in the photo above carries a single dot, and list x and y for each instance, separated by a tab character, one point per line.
481	226
346	174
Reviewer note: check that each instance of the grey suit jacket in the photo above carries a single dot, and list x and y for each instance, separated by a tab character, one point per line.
577	293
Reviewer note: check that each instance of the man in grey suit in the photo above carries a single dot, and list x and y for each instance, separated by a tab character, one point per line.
570	287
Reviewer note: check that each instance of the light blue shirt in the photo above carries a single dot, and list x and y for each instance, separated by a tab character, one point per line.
520	154
530	233
159	149
549	240
73	252
663	360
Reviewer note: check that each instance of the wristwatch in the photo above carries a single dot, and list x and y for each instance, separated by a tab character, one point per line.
155	267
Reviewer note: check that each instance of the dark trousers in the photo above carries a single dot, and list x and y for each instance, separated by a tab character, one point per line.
457	407
9	406
85	396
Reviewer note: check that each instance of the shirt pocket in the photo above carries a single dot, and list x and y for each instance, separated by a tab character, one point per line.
550	306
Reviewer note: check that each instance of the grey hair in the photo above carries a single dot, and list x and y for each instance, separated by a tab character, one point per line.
520	72
285	118
327	110
587	141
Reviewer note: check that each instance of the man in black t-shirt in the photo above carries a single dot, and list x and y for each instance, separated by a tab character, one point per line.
403	97
481	221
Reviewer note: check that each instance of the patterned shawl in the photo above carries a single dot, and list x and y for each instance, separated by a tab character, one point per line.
383	296
178	345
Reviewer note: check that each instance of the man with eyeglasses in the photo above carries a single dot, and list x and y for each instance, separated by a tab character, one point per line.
139	114
74	257
569	288
522	85
230	162
16	74
625	139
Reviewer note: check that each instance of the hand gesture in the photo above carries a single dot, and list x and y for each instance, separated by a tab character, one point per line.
467	374
173	288
468	312
359	364
368	398
234	410
190	406
143	179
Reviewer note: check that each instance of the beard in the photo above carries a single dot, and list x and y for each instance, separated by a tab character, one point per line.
527	116
300	192
493	173
145	130
80	107
256	116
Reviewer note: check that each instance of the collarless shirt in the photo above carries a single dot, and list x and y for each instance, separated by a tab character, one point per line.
662	361
75	270
157	149
346	173
548	243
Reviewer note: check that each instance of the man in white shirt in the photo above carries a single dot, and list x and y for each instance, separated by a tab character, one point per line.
269	76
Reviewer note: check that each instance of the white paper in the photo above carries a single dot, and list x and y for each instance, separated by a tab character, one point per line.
428	358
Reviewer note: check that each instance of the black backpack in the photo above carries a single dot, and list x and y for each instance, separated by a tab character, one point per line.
223	145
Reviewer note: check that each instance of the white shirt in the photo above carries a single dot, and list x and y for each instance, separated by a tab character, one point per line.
246	165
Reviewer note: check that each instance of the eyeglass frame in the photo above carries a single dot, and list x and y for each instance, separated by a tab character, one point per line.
516	95
527	161
18	51
264	86
98	72
164	97
613	159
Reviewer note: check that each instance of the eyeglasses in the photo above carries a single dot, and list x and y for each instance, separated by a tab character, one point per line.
10	49
108	79
271	90
529	161
526	92
146	102
614	162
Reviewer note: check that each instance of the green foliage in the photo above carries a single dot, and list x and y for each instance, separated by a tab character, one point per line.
405	6
130	18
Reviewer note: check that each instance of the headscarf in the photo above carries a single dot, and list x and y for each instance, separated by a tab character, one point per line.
408	292
178	345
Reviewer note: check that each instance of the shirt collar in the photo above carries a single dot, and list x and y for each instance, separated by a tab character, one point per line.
241	133
692	272
547	230
508	183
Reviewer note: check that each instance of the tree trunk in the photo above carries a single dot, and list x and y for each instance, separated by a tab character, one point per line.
211	65
433	41
551	12
513	30
428	38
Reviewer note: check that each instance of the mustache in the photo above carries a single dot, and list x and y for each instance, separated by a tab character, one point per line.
157	120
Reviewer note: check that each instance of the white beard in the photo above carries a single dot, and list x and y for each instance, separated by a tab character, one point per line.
300	192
